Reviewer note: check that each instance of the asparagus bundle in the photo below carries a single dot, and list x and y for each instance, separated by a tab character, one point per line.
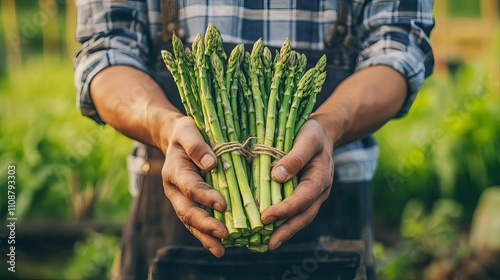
248	106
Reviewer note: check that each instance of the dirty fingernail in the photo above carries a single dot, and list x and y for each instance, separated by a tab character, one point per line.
269	219
280	173
218	233
278	245
215	253
207	161
217	206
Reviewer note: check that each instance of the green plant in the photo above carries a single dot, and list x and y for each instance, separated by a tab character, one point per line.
60	156
93	257
446	147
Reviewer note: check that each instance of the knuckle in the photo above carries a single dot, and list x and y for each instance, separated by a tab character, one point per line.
309	219
310	216
197	191
288	232
316	140
306	201
194	148
186	217
168	173
189	192
294	164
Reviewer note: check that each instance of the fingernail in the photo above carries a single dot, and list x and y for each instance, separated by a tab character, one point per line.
269	219
218	233
217	206
215	253
280	173
207	161
278	245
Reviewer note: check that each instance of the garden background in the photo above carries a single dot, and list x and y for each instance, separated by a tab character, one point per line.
72	187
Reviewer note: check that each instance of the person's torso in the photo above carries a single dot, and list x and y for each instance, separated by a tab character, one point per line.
304	22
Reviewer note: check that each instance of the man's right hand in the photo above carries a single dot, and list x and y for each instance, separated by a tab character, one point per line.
135	105
185	155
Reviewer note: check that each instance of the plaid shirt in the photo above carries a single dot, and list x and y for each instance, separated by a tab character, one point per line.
393	33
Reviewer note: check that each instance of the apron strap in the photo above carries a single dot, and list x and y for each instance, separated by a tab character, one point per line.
169	21
338	30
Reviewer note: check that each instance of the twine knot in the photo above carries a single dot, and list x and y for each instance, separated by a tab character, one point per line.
248	153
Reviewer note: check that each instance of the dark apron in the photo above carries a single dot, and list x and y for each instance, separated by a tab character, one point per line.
336	245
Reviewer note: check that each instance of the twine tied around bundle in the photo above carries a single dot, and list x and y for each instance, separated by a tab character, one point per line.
248	153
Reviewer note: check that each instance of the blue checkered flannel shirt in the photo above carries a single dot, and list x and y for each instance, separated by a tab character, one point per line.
393	33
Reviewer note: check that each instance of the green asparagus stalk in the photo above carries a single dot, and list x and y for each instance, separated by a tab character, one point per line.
253	213
259	112
232	71
265	160
302	86
252	130
258	248
301	67
239	217
240	96
318	84
172	66
243	109
276	187
267	60
255	239
189	96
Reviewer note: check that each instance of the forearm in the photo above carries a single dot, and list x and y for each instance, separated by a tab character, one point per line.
362	104
134	104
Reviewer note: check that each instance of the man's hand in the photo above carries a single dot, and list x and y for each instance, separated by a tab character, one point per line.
134	104
359	106
185	155
311	154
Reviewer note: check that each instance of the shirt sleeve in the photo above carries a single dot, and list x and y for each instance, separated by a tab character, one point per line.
396	34
112	32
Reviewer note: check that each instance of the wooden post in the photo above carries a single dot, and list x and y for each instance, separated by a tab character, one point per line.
11	33
50	28
71	43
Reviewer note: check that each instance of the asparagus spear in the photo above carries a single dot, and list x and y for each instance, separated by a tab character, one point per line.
258	106
252	130
318	84
265	160
276	187
239	217
267	60
253	213
303	86
232	71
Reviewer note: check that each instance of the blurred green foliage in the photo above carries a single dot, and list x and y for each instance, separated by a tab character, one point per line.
463	8
93	257
448	145
428	236
59	155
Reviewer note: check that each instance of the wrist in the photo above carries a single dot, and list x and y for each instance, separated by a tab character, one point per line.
161	123
334	124
134	104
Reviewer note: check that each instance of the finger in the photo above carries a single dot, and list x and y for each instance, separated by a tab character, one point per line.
185	176
306	146
295	224
192	142
193	216
210	243
313	183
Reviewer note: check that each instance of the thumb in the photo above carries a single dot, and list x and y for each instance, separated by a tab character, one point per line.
195	146
304	148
